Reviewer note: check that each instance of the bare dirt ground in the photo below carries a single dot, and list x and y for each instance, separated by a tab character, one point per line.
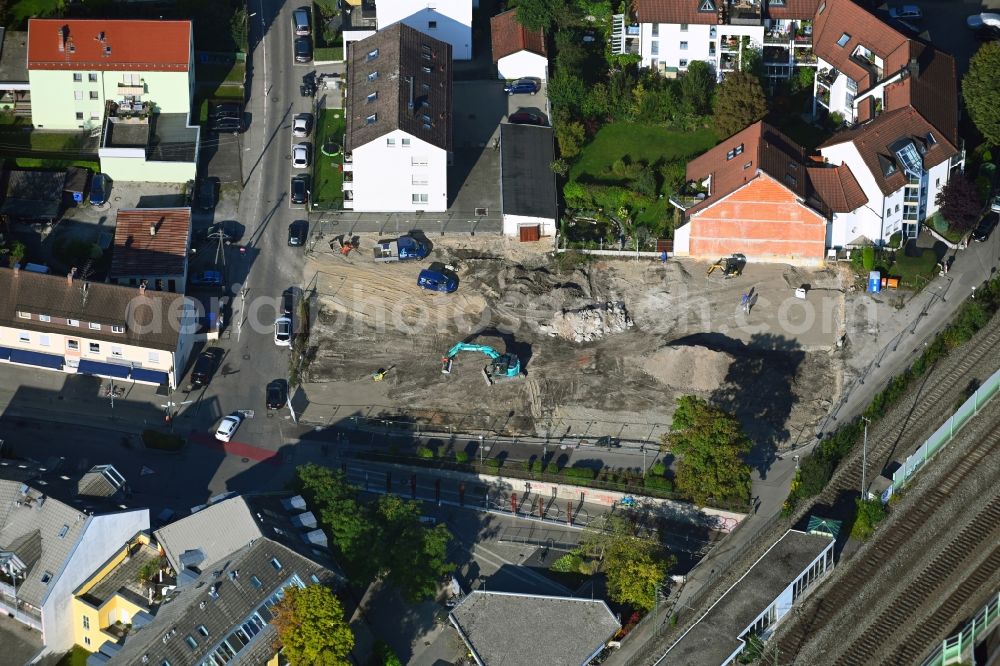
605	346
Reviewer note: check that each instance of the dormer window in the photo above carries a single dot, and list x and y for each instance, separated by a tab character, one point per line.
23	315
94	326
931	139
706	6
844	38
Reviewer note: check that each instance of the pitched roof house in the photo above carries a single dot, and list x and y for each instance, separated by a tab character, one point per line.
151	245
517	51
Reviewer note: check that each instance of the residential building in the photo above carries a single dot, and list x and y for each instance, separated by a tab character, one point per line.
758	601
399	122
151	247
55	531
668	35
556	631
752	194
529	200
517	51
449	21
34	195
15	91
131	80
75	326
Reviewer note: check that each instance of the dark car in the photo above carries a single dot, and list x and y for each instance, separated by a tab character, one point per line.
525	118
227	110
206	279
608	442
206	195
985	228
277	395
234	125
297	232
523	87
288	302
303	49
437	280
99	187
300	190
205	366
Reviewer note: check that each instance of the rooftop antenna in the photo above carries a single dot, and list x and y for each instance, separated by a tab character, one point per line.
85	274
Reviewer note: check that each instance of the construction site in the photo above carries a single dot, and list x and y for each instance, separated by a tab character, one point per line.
538	343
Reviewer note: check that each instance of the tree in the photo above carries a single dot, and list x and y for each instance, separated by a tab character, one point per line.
752	61
540	14
570	137
311	627
339	512
697	86
959	202
22	10
635	567
981	90
413	556
567	92
739	102
709	444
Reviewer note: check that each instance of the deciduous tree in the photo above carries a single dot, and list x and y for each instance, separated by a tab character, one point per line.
541	14
981	90
414	556
311	627
709	444
959	202
697	86
635	567
739	102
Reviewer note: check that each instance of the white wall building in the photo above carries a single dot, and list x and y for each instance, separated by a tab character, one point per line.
518	52
398	116
447	20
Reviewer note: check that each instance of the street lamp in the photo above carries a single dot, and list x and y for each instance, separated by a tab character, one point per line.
864	456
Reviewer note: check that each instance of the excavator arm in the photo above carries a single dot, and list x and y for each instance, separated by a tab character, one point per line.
502	366
465	346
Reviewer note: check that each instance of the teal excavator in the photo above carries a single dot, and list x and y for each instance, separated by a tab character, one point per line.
501	367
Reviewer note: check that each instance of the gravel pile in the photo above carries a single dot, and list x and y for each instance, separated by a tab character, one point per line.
588	324
695	368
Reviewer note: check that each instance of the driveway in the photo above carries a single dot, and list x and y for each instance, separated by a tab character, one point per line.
20	643
221	154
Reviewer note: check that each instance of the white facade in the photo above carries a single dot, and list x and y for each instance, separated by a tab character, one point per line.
523	64
512	224
396	173
447	20
102	537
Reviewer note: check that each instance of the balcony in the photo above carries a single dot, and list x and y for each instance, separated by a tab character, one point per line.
826	76
727	63
823	97
777	37
804	56
361	18
690	195
744	12
776	55
730	45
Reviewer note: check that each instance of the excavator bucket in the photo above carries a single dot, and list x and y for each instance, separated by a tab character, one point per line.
446	366
486	375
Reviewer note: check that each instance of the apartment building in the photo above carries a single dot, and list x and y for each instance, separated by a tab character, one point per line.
131	80
71	325
398	114
449	21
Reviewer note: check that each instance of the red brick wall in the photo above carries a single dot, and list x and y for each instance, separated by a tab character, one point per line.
762	220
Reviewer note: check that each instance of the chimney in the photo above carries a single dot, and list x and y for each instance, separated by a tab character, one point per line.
152	228
62	37
142	288
914	68
70	275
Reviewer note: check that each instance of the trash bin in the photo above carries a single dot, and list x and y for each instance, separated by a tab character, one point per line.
874	282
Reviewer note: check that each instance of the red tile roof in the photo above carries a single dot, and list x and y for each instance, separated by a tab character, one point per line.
837	188
792	9
139	253
676	11
834	19
509	36
76	44
931	87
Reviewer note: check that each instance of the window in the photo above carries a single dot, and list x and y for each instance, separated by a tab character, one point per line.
684	46
94	115
370	120
371	55
791	180
24	315
93	94
95	348
654	48
684	27
844	38
426	69
931	139
656	30
72	322
24	337
683	62
86	619
888	211
94	326
432	24
116	351
192	643
77	78
418	161
202	630
78	95
276	564
44	341
391	143
86	640
419	198
372	96
117	329
897	208
73	345
747	165
79	115
937	182
153	357
405	142
419	180
425	87
373	75
256	582
730	155
739	149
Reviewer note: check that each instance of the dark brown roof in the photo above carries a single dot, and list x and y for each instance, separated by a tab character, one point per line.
840	17
878	141
150	319
931	87
837	188
760	146
676	11
141	253
405	63
509	36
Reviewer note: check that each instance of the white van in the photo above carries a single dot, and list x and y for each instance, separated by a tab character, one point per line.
300	22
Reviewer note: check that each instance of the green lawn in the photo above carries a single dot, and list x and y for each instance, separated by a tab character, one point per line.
914	271
75	657
941	226
327	177
326	54
650	143
58	149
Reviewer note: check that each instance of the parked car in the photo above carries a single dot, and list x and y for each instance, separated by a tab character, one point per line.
297	233
227	427
982	232
303	49
523	87
205	366
277	395
288	302
988	33
300	156
906	13
302	125
984	20
206	279
300	190
226	110
207	191
100	185
589	36
437	280
227	124
608	442
300	22
283	332
995	204
525	118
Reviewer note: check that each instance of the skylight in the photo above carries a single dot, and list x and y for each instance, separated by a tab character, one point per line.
931	139
844	38
371	55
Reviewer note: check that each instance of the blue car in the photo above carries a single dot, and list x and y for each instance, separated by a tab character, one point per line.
207	279
99	190
437	281
523	87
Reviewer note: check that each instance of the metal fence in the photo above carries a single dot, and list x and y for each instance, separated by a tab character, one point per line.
951	649
944	434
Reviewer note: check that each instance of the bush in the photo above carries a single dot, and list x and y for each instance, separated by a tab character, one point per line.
162	441
580	473
569	563
425	452
492	463
658	469
868	257
658	483
461	457
869	514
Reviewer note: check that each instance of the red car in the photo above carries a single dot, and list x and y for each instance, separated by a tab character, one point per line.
525	118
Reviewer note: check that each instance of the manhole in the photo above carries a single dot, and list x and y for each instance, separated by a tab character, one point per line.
246	357
246	460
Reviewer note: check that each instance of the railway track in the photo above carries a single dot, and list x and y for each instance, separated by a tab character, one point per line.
894	544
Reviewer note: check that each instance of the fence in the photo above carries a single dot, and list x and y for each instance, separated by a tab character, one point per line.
944	434
951	649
